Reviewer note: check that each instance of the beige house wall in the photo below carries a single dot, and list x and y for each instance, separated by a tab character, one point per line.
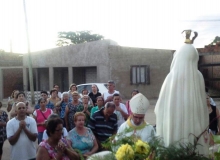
122	58
82	55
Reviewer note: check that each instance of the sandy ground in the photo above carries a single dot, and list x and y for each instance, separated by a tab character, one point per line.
150	118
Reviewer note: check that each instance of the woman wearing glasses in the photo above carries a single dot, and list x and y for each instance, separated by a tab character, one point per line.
55	147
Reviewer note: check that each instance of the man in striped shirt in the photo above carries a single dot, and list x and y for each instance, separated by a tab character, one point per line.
103	123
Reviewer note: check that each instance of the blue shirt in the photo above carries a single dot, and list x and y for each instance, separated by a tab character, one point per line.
62	109
84	143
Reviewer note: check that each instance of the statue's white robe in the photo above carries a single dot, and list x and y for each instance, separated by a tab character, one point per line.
181	108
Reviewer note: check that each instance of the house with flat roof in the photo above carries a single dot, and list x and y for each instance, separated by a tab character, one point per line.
98	61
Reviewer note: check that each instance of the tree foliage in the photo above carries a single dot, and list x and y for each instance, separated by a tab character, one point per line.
66	38
216	40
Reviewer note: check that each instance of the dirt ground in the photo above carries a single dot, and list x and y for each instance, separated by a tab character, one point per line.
150	117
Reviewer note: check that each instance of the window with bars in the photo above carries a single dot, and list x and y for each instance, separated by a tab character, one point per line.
140	74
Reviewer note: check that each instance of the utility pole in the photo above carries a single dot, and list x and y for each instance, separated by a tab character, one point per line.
29	56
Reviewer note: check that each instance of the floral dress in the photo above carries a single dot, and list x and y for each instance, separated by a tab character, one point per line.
52	151
62	109
72	110
84	143
3	118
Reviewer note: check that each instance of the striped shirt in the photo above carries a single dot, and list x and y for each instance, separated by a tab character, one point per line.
102	128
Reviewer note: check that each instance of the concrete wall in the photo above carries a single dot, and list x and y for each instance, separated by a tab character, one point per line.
122	58
82	55
10	59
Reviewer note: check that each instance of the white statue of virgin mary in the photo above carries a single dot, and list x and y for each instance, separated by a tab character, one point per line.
181	109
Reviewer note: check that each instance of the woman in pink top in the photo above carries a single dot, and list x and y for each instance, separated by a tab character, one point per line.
55	147
41	115
133	93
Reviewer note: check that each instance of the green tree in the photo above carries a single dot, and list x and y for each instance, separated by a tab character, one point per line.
216	40
66	38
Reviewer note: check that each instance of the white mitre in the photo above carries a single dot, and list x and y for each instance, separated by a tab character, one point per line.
139	104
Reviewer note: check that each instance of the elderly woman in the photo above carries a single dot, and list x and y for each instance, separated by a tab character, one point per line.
20	98
85	93
94	94
85	108
60	106
81	137
72	88
3	122
13	100
214	119
41	115
55	147
71	109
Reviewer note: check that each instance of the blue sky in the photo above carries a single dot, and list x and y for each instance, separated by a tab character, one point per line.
134	23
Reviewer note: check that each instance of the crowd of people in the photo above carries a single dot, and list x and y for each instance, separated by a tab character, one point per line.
66	123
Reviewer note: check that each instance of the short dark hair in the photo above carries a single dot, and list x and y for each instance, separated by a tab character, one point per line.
111	81
45	92
52	125
135	90
84	89
116	95
53	90
39	100
20	93
109	104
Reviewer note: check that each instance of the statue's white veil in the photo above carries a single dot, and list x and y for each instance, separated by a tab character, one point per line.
181	108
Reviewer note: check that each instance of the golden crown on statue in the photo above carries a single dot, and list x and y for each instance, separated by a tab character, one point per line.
189	39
